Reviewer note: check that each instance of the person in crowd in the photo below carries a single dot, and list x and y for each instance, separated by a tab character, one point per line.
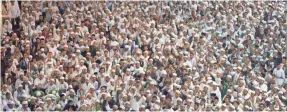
144	56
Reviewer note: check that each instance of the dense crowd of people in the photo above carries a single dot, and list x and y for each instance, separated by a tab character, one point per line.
144	56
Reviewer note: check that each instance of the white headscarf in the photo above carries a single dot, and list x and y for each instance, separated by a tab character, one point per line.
7	27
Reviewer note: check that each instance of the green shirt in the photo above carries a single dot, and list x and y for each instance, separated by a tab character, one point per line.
118	73
98	108
35	93
224	90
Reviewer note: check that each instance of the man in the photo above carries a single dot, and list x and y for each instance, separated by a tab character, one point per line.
24	106
216	90
40	80
127	106
62	85
70	106
136	101
263	84
10	106
27	85
49	104
279	75
97	106
51	86
19	92
14	13
32	103
108	103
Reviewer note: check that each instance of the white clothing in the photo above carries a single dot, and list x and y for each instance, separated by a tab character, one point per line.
280	76
40	82
14	10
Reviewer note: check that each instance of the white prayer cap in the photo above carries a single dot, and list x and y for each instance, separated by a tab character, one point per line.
92	87
108	96
252	92
32	97
277	88
128	69
209	81
142	106
246	97
263	89
239	68
189	77
38	93
229	90
58	106
209	78
153	82
97	100
25	102
232	107
246	106
10	102
41	102
174	74
52	80
214	83
20	86
257	87
137	95
48	99
213	61
163	72
261	79
156	57
179	99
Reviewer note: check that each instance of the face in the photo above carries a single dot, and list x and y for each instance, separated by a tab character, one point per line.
261	107
103	89
9	80
8	95
10	105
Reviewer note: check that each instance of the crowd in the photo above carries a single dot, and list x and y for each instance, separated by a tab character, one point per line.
144	56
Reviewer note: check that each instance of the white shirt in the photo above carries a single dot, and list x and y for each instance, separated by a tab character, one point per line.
14	10
53	50
18	94
279	73
218	93
62	85
18	82
7	28
104	83
189	63
86	86
135	105
40	82
49	87
193	62
263	87
48	71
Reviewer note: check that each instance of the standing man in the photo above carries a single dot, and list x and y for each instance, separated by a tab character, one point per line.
279	75
14	13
